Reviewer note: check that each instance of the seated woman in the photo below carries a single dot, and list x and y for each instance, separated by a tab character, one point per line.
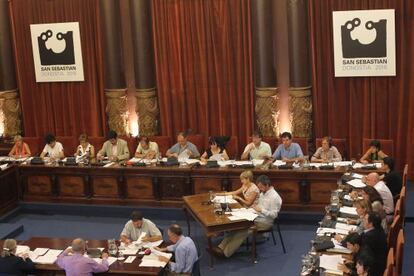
214	151
327	152
374	153
248	194
52	149
20	148
147	149
85	148
10	264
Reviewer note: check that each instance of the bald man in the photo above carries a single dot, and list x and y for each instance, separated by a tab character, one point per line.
373	179
76	264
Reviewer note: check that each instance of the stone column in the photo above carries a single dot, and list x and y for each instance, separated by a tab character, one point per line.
10	112
144	67
266	107
115	87
300	92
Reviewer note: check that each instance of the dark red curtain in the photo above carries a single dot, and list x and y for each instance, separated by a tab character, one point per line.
204	68
374	107
66	108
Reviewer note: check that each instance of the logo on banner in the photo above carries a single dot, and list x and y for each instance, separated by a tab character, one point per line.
57	52
364	43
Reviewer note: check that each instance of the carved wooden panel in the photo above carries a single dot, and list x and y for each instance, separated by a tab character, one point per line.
320	191
288	190
172	188
204	185
71	186
105	187
139	187
8	188
39	185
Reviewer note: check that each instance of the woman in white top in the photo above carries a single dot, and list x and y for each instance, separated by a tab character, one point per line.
248	194
52	149
85	148
147	149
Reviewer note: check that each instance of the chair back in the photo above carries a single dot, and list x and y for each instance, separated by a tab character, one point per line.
390	263
232	147
303	143
198	140
393	231
163	142
399	252
69	144
405	173
35	145
387	146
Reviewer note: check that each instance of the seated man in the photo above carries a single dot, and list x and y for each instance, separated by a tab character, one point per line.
147	149
184	249
137	225
327	152
77	264
183	148
257	149
267	208
288	151
375	239
115	149
391	178
10	264
373	180
52	149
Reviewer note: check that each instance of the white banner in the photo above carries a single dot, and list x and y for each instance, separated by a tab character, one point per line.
57	52
364	43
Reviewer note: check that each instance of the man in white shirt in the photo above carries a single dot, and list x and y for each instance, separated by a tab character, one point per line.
138	225
52	149
373	180
267	208
257	149
147	149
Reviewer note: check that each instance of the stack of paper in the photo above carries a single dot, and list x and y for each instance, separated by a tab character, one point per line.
348	210
356	183
224	199
279	163
339	248
111	260
342	163
109	164
247	214
49	258
152	244
152	259
225	163
257	162
321	231
330	263
3	167
22	249
345	226
241	163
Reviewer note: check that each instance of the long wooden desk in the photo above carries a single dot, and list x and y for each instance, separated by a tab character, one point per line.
197	206
118	268
301	190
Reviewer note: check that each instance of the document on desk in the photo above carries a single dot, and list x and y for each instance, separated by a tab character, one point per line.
338	248
152	244
130	259
111	260
348	210
3	167
40	251
330	263
257	162
247	214
110	164
49	258
152	259
22	249
321	231
345	226
279	163
356	183
224	199
342	163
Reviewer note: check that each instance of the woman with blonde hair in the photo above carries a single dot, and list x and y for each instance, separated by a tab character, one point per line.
248	194
85	148
20	148
10	264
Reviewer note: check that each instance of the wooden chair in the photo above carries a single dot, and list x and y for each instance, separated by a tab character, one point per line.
271	231
272	141
97	143
132	144
389	271
198	140
303	143
232	147
393	231
164	143
403	197
387	146
339	143
69	143
404	177
399	252
35	145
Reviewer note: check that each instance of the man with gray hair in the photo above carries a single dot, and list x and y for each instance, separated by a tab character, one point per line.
373	179
75	263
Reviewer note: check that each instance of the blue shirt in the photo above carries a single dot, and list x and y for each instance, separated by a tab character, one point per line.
178	149
294	151
185	253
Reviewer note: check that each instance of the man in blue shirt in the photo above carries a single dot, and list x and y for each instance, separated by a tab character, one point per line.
288	151
183	148
184	250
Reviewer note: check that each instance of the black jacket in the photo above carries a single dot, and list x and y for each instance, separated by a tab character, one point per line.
394	182
13	265
376	241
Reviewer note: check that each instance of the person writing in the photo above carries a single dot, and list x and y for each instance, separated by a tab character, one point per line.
115	149
214	151
138	225
147	149
248	194
20	149
288	151
327	152
183	148
85	148
52	149
374	153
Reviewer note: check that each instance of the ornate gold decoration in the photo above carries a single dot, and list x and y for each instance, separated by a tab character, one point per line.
300	109
267	110
116	109
148	111
10	109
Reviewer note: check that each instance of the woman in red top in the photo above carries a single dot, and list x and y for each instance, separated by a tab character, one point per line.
20	148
